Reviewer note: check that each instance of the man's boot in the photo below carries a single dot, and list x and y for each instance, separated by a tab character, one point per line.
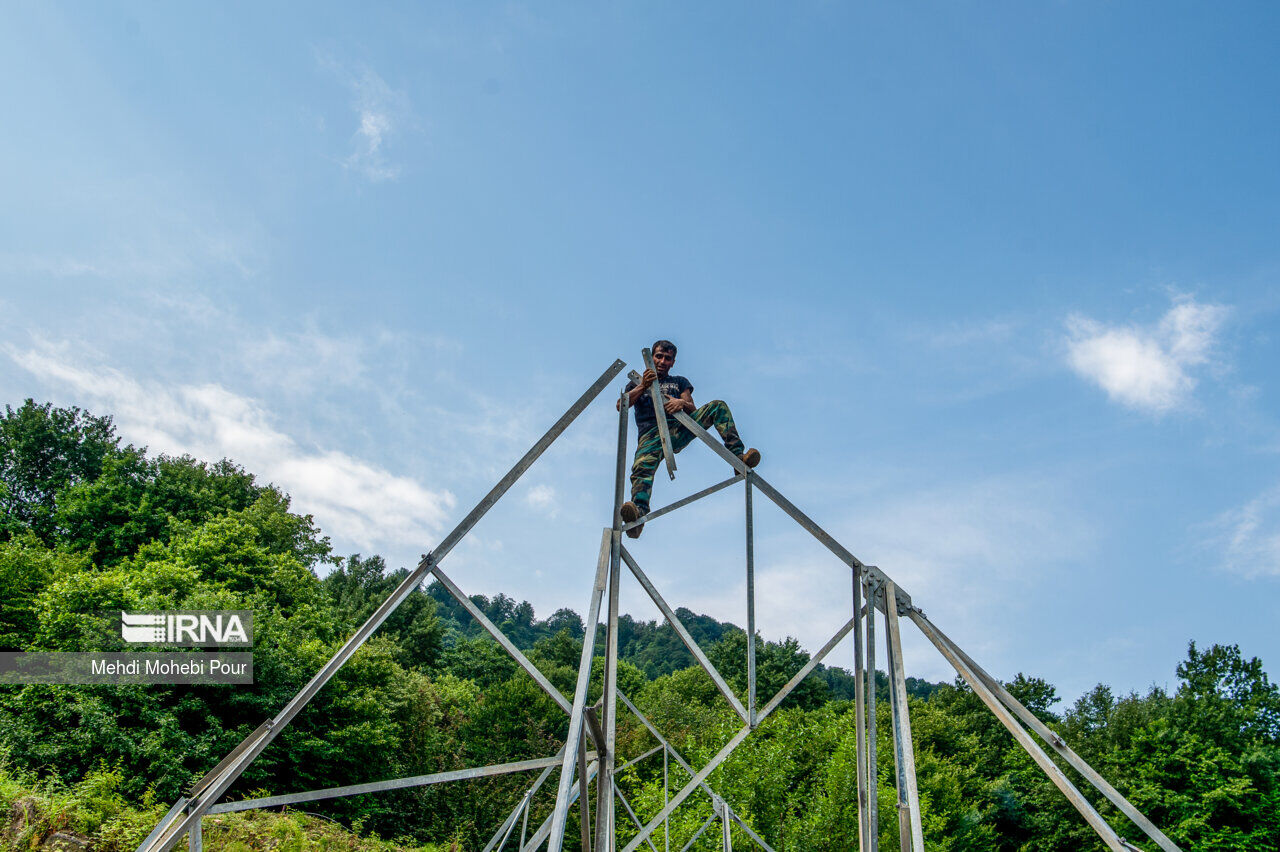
751	457
631	512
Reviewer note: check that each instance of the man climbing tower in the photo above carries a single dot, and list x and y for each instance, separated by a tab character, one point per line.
677	395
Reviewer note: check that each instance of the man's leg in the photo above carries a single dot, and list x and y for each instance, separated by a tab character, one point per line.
716	413
648	455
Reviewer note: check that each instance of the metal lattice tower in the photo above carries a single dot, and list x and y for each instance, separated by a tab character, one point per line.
589	753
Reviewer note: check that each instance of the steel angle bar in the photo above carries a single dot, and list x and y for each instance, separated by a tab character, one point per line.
584	805
902	718
782	502
512	827
699	832
751	608
666	793
564	790
608	701
686	637
1057	743
504	830
734	742
451	540
725	824
900	778
164	821
631	813
528	795
593	726
608	705
808	667
671	750
681	503
501	638
633	761
1051	769
659	413
684	792
195	837
860	714
180	823
199	787
873	771
684	764
759	841
389	784
544	831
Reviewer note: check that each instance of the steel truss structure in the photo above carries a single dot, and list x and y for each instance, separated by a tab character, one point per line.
589	753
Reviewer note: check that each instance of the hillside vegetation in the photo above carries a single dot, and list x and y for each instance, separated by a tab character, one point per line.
89	525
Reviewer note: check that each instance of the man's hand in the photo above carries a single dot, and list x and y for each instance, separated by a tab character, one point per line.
648	379
673	404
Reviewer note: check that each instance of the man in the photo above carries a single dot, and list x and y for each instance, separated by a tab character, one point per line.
677	395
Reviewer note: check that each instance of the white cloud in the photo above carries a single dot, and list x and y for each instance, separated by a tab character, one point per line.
356	502
542	498
1146	367
964	551
967	333
1249	536
175	250
381	112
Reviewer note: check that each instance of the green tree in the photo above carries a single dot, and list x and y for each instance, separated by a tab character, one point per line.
42	451
776	664
359	586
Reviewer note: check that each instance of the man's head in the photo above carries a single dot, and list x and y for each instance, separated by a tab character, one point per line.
664	357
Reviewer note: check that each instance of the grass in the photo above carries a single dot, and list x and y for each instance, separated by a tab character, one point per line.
95	810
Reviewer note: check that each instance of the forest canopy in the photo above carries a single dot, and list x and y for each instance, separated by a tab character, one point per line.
89	524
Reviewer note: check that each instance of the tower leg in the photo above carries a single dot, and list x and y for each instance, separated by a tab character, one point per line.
909	793
873	785
860	712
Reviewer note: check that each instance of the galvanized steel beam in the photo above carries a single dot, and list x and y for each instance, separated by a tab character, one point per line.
389	784
757	839
860	714
1059	745
179	823
497	634
564	791
873	772
751	609
681	503
660	414
699	832
1056	775
902	718
686	637
782	502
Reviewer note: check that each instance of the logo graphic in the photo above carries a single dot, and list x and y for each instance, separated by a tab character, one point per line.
202	628
142	627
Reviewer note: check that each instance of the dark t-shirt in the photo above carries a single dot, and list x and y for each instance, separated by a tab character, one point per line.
672	386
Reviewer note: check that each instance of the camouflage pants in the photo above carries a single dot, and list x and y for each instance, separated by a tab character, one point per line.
649	447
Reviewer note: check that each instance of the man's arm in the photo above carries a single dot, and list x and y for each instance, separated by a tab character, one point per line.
633	395
682	403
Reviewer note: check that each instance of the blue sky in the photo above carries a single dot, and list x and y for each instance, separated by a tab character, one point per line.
992	286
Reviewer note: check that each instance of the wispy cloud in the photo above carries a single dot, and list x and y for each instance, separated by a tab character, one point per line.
1148	368
1248	537
357	502
381	114
967	333
176	250
542	498
963	550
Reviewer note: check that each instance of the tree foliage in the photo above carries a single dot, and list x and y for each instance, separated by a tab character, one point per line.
88	525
